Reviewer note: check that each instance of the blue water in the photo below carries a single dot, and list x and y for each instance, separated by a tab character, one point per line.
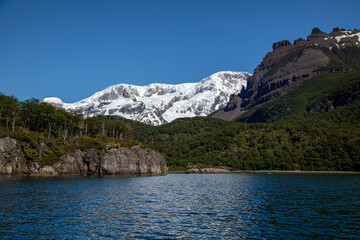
178	206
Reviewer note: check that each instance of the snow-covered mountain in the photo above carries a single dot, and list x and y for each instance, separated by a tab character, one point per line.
156	103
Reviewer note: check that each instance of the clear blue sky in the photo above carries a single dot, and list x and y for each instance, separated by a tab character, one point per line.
73	48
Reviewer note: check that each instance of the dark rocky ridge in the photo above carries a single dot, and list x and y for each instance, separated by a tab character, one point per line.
135	160
288	66
280	44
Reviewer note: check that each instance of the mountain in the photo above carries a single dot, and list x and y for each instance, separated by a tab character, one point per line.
290	65
324	93
313	127
156	104
308	123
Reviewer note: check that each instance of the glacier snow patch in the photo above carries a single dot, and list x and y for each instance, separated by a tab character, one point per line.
156	104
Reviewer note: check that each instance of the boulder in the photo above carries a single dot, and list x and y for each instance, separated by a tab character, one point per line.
34	168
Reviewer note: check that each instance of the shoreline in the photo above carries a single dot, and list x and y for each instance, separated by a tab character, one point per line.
273	171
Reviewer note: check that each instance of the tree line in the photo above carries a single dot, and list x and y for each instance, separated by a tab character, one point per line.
322	141
47	132
41	117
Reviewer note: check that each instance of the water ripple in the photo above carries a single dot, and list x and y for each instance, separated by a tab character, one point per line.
180	206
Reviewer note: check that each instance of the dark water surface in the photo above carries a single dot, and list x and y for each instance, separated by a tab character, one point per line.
277	206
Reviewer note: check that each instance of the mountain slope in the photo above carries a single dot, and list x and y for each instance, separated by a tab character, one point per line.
323	93
157	104
313	127
327	141
290	65
310	122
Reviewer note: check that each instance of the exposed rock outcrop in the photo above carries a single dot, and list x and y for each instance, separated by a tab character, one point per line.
280	44
316	33
35	169
299	40
135	160
12	159
280	72
91	162
72	164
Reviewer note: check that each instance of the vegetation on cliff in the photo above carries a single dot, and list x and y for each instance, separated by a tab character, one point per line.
47	132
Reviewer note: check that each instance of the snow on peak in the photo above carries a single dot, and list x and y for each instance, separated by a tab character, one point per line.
348	34
53	101
159	103
342	35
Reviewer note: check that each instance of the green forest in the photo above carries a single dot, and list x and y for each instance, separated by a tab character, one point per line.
46	132
314	127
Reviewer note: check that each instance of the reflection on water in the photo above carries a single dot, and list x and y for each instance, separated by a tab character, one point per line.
181	206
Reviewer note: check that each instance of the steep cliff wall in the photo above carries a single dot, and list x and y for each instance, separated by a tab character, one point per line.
135	160
12	159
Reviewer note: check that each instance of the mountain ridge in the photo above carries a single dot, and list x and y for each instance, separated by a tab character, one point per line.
159	103
314	126
289	65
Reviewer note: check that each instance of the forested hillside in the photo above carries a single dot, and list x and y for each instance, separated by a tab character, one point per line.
314	127
321	94
323	142
47	132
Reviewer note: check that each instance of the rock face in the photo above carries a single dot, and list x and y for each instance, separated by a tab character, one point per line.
288	66
280	44
35	169
72	164
135	160
12	159
132	161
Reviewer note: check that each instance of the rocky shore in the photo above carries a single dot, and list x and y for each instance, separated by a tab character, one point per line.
207	171
135	160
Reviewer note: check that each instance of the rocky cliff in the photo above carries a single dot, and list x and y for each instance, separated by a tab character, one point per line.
12	158
289	65
135	160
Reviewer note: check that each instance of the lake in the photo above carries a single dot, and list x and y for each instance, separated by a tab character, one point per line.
180	206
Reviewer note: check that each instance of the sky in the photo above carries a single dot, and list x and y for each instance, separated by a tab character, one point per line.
73	48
